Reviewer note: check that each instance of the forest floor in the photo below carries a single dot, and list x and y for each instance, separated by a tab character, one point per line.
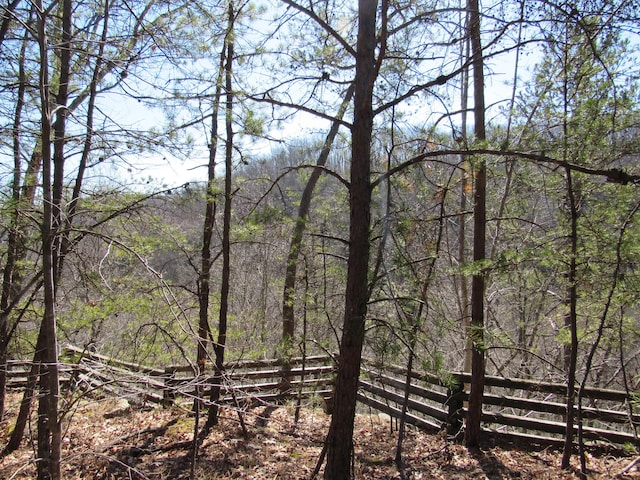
155	444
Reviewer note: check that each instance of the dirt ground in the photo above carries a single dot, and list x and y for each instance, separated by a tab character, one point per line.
136	443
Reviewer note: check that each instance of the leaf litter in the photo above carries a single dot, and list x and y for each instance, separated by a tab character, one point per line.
155	443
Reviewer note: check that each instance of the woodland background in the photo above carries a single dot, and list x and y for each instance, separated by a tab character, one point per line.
531	108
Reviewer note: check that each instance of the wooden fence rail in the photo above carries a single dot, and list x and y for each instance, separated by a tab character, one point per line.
260	380
515	408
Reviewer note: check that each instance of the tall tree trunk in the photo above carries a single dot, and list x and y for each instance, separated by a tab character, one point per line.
59	133
340	436
204	277
474	415
463	140
49	431
211	203
219	347
48	428
288	295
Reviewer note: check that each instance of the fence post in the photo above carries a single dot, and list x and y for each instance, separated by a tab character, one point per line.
168	393
455	402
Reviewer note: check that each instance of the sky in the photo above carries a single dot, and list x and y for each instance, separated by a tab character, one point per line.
169	170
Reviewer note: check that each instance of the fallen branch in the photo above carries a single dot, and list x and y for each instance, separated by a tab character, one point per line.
628	468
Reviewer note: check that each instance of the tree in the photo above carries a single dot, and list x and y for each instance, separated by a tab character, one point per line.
288	296
93	55
579	115
340	437
49	428
58	51
476	327
211	202
22	196
220	344
280	212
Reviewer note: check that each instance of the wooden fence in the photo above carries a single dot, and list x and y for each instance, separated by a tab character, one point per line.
514	408
261	380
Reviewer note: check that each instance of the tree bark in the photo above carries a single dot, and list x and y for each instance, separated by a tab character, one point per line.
340	436
474	415
571	298
206	262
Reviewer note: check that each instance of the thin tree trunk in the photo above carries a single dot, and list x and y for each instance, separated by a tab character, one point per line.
66	243
9	275
211	203
571	299
600	333
464	186
27	401
219	347
49	431
59	134
474	415
48	428
415	328
340	436
571	322
204	278
288	296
